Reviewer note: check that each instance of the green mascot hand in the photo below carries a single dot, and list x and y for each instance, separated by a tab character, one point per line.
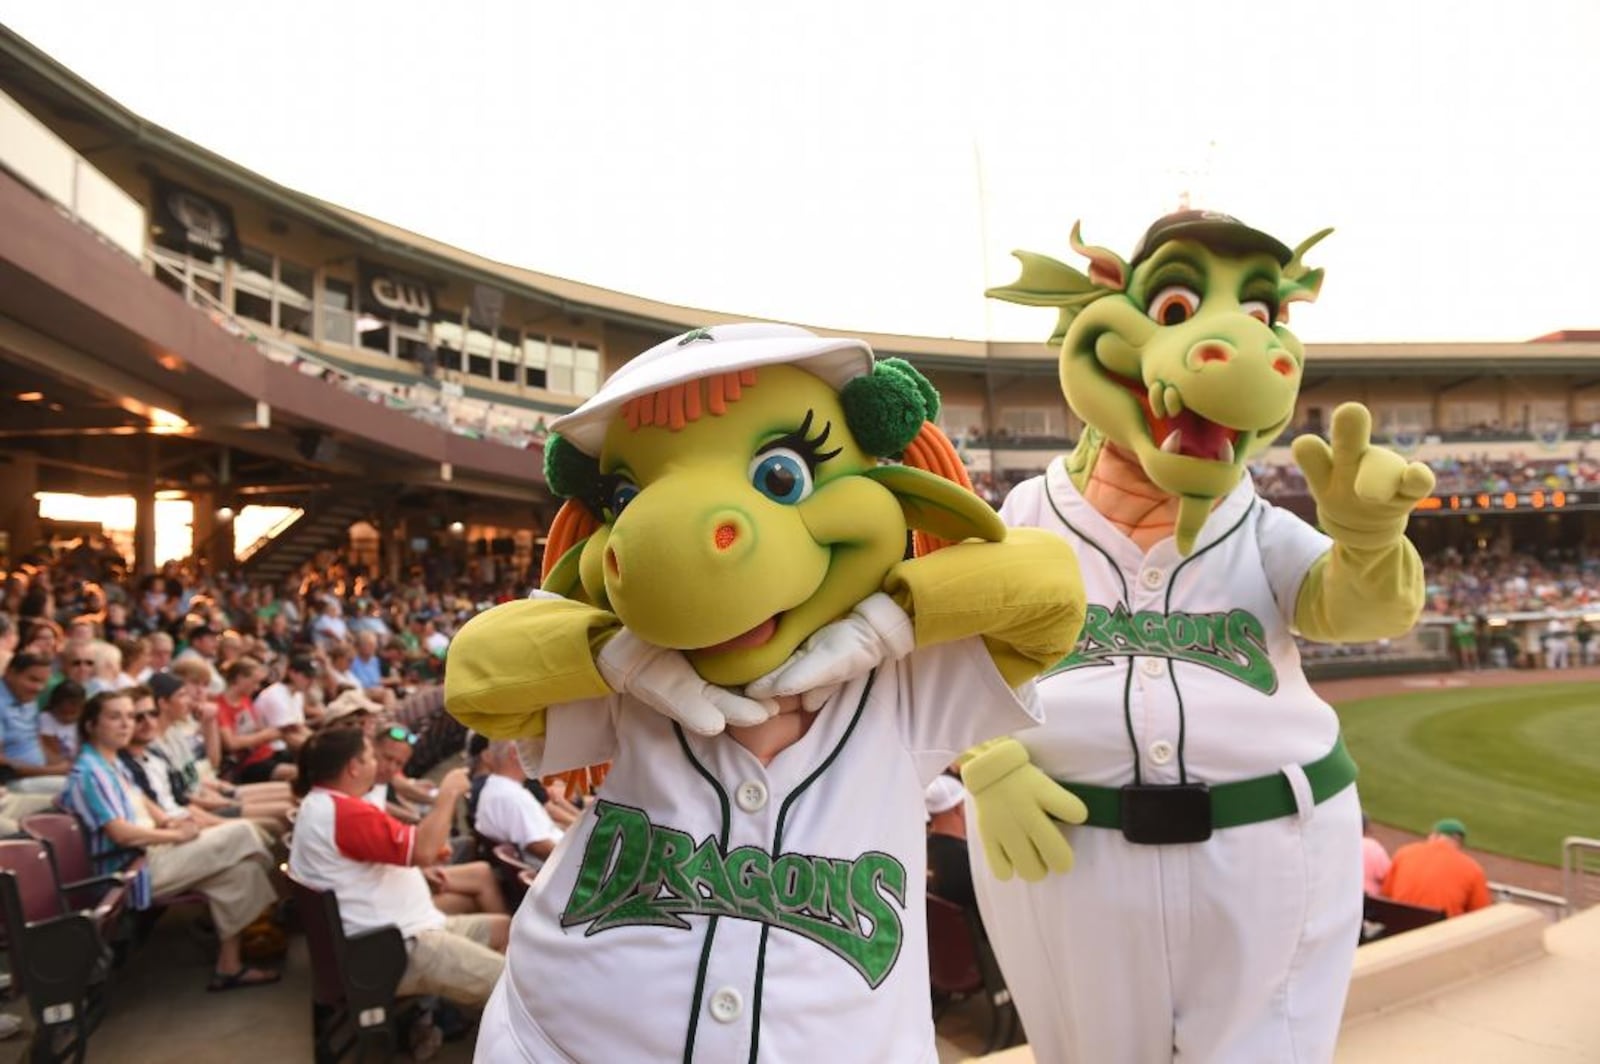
1364	494
1019	812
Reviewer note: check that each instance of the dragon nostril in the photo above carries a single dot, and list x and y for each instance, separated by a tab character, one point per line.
1284	365
1211	353
724	536
612	565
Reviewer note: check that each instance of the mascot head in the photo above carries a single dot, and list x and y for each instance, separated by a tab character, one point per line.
730	491
1181	355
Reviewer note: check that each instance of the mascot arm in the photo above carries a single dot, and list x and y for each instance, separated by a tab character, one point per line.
507	664
1369	586
1024	596
1353	594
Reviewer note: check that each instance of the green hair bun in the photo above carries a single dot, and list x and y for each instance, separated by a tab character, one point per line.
570	473
885	410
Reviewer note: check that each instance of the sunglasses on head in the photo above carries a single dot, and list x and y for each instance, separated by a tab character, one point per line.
400	734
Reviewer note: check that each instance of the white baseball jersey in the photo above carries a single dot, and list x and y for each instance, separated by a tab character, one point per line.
1237	948
508	813
711	908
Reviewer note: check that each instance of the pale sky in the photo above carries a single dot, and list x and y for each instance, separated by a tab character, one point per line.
869	164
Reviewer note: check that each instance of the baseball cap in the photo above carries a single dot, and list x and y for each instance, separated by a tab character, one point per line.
304	666
1450	826
943	795
706	352
350	702
164	684
1213	229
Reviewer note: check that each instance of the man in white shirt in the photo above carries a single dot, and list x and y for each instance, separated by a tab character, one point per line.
374	866
330	626
507	812
283	704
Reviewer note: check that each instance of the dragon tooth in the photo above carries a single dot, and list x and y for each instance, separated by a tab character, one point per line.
1174	402
1227	451
1173	443
1157	397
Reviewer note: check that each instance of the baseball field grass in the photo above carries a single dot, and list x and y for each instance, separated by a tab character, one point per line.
1520	765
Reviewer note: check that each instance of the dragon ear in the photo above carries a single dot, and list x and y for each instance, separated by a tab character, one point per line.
1048	283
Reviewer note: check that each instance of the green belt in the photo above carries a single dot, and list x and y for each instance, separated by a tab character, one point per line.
1242	802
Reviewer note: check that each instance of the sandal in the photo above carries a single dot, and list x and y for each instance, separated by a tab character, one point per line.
244	978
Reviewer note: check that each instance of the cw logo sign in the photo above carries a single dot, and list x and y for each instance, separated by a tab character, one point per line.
401	297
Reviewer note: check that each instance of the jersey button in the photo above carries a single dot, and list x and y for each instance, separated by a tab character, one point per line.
727	1005
1152	578
1161	751
751	796
1153	666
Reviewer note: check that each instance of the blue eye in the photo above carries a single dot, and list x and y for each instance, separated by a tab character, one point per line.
781	475
622	495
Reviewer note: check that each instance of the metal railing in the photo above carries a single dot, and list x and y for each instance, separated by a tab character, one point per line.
283	525
1577	855
52	168
1557	907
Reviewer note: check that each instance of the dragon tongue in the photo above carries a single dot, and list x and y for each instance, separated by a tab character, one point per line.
1201	438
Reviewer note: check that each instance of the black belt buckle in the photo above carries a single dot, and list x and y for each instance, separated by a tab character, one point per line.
1166	814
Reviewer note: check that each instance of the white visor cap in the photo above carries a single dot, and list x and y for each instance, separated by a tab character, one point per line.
708	352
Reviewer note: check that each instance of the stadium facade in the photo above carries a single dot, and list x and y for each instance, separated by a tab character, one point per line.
172	322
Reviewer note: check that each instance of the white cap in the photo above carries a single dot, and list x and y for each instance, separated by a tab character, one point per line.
943	795
707	352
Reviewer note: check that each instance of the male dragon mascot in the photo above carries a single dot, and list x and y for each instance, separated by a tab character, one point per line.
774	684
1215	907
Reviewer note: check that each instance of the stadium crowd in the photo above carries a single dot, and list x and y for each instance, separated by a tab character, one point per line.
1473	473
204	728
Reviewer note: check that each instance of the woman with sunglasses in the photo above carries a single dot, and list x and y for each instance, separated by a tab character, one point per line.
228	864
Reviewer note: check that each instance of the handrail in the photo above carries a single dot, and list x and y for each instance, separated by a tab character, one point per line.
1507	892
283	525
1573	849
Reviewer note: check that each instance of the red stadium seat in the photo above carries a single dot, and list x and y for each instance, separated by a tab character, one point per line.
58	956
353	980
961	964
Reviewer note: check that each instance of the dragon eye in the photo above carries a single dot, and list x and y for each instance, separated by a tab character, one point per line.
1259	310
1173	305
781	475
622	495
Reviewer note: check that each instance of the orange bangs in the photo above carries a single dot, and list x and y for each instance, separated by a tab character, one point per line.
573	524
676	406
932	451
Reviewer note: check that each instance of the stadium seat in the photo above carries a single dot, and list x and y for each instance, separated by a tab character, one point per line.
58	956
961	964
69	850
1383	917
353	980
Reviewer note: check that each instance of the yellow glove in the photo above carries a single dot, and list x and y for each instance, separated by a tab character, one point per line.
1016	803
1364	494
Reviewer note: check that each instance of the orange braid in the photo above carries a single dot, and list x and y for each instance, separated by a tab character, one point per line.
932	451
573	524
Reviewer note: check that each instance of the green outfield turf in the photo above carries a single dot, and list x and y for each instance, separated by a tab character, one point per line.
1521	765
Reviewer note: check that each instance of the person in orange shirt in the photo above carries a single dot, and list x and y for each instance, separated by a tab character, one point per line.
1435	874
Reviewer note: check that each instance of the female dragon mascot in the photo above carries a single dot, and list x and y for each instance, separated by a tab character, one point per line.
1215	907
773	683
